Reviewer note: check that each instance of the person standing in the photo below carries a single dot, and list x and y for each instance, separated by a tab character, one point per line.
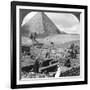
58	72
36	66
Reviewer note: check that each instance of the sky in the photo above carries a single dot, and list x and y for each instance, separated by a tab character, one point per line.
66	22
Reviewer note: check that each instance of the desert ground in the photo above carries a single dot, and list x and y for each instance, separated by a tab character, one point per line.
40	59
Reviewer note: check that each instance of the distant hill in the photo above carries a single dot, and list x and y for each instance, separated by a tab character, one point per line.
65	45
60	40
73	33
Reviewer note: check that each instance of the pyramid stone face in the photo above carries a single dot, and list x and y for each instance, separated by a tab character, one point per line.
49	26
41	24
35	24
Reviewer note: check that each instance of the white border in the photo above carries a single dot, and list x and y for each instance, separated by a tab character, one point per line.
51	80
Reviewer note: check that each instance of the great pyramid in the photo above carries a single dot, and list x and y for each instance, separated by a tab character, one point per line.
41	24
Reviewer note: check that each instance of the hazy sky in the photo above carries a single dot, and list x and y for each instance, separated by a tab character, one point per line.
64	21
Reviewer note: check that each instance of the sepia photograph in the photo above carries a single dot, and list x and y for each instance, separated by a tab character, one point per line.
49	45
